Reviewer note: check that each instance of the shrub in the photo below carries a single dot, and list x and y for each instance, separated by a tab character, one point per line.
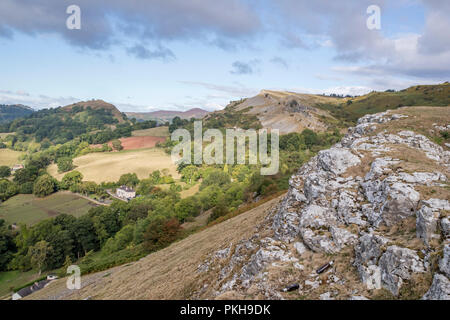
160	233
5	171
44	186
65	164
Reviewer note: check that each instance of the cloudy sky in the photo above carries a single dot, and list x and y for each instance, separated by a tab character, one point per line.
177	54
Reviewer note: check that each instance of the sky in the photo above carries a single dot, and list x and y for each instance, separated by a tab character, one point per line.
146	55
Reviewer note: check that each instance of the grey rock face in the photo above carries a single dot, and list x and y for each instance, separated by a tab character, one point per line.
397	264
444	264
367	253
439	290
445	227
337	160
428	218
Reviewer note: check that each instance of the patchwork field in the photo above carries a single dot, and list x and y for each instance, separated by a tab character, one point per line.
28	209
133	143
152	132
102	167
9	157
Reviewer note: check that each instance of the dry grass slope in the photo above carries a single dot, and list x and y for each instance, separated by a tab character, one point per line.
100	167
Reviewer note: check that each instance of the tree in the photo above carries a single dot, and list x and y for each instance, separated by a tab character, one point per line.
44	186
70	179
5	171
7	246
7	189
117	145
64	164
216	178
160	233
129	179
188	207
145	187
190	174
38	254
311	138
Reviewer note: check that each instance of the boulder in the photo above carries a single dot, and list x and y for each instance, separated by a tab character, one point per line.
428	218
398	264
439	290
337	160
444	264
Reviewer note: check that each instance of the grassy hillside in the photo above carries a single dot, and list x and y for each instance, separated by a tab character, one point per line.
9	157
152	132
28	209
350	109
102	167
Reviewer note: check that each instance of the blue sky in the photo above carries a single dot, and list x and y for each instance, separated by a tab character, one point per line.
148	55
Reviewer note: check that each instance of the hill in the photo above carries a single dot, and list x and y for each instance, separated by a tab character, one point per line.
294	112
168	115
96	105
62	124
350	109
285	111
11	112
371	213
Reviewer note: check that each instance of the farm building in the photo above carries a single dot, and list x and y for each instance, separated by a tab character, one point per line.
125	192
17	167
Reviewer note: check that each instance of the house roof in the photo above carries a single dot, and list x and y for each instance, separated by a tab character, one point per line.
126	188
35	287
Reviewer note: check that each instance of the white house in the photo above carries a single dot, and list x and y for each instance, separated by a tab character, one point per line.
17	167
125	192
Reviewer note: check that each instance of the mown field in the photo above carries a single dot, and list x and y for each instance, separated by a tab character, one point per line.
152	132
14	279
28	209
108	167
9	157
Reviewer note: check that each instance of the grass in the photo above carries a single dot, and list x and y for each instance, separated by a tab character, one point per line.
103	167
152	132
9	157
13	279
28	209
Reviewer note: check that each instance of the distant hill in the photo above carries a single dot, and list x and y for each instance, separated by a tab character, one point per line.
282	110
294	112
168	115
62	124
96	105
11	112
351	109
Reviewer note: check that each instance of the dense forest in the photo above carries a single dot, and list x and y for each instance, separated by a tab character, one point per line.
11	112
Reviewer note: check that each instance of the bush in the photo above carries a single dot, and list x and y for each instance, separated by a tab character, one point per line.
44	186
5	171
160	233
117	145
65	164
70	179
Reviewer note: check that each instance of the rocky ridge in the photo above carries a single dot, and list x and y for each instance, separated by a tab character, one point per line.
360	205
